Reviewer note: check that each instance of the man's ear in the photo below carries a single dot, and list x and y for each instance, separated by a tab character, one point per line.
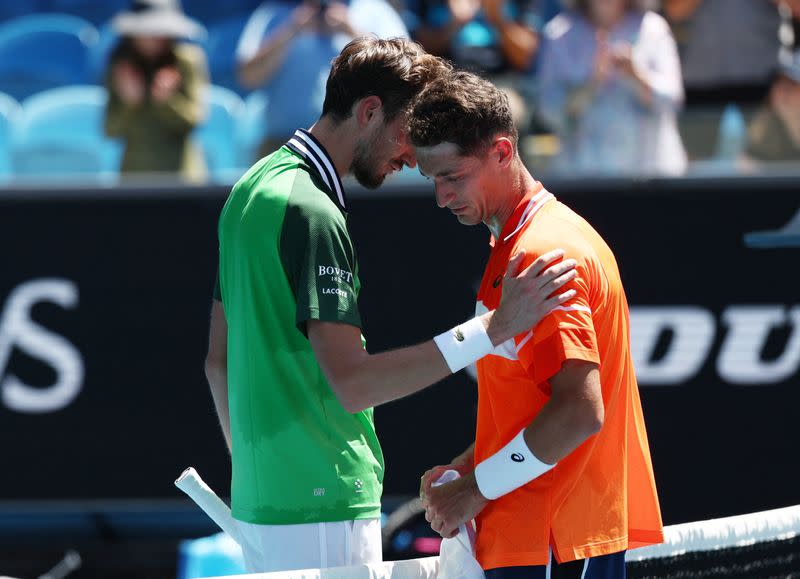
503	151
367	109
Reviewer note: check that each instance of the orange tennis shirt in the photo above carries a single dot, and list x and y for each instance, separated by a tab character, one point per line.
601	498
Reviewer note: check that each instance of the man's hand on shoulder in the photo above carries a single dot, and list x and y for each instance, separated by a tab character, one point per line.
529	295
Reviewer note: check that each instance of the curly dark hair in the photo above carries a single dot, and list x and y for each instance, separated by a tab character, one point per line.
460	108
394	70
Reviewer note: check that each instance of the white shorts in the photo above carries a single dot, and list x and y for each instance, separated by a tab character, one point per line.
311	545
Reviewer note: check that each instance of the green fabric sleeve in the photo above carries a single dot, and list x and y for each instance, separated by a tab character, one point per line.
319	261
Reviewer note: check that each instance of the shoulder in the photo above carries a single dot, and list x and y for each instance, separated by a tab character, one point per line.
556	226
309	202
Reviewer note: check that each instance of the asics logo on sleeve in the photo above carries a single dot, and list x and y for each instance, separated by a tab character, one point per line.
517	457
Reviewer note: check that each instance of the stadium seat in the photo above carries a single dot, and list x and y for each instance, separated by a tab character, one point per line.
9	113
9	10
95	11
211	11
218	134
100	52
220	47
252	127
60	132
44	51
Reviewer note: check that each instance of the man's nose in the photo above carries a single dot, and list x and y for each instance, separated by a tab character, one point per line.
443	196
409	154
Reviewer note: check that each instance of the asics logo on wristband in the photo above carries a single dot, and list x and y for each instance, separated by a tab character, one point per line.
459	335
497	281
517	457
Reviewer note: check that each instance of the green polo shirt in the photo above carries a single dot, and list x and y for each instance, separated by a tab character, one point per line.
285	258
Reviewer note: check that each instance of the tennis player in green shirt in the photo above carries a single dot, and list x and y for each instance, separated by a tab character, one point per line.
292	382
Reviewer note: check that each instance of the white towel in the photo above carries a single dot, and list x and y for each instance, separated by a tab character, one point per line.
457	555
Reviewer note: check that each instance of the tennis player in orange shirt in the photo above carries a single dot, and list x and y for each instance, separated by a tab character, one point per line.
559	478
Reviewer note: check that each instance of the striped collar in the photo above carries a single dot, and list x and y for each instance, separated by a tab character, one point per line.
309	148
526	209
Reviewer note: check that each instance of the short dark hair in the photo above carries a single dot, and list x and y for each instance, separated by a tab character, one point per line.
394	70
460	108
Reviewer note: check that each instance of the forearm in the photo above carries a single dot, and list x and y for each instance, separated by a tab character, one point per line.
218	382
519	43
258	70
380	378
466	459
573	413
361	380
180	112
560	428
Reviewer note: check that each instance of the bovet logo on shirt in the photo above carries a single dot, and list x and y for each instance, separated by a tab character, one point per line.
337	274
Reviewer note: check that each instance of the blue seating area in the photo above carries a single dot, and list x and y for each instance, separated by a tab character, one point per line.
60	131
53	56
9	114
44	51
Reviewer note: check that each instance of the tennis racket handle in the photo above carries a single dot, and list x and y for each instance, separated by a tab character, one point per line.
194	486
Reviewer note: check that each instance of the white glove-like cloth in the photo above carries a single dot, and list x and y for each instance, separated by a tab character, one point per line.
457	555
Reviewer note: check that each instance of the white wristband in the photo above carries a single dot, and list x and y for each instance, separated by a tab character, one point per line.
511	467
464	344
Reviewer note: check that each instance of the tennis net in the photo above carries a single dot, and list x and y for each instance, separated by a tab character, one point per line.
763	545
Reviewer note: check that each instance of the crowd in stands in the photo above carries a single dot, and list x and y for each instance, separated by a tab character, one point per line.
202	89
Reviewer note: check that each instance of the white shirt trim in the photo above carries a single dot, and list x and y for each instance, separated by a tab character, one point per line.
536	203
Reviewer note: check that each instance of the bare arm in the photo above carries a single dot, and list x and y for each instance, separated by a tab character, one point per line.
361	380
184	108
574	413
258	70
518	42
217	367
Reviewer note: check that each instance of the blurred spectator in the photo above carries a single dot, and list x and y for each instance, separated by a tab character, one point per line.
286	50
610	87
484	36
495	38
774	133
157	89
729	54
